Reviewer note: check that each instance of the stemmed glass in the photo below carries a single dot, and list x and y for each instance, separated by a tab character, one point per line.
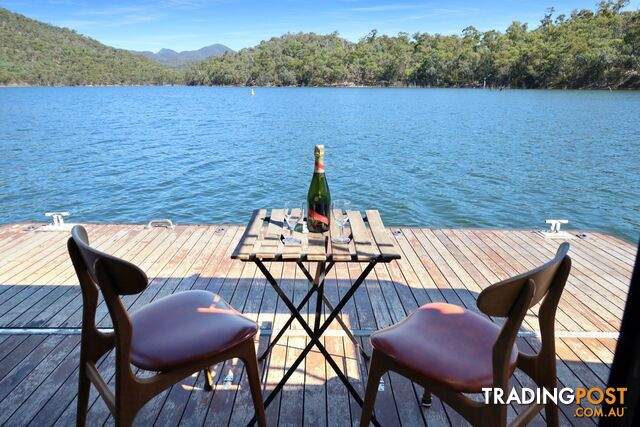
339	212
293	214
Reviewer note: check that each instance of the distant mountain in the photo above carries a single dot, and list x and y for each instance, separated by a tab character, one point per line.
32	52
178	59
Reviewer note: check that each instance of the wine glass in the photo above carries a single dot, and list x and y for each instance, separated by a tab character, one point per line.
339	211
293	214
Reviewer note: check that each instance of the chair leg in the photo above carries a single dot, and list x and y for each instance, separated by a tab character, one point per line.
551	409
253	375
550	382
376	370
84	386
125	418
551	414
208	379
426	398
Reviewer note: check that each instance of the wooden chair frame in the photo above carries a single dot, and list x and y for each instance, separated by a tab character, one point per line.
512	299
131	392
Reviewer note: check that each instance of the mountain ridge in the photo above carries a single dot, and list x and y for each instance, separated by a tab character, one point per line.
171	57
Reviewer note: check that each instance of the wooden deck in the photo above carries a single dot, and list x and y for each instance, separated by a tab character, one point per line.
40	311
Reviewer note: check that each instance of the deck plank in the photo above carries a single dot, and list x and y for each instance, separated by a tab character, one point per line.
55	363
24	381
48	290
45	381
578	292
38	288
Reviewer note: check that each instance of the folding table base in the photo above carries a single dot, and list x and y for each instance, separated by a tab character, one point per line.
316	333
314	287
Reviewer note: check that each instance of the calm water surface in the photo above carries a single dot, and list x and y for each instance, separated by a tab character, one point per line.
430	157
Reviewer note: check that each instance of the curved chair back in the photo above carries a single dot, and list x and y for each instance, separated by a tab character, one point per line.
113	277
123	277
499	298
512	298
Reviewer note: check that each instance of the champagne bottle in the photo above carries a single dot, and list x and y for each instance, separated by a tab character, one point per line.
319	198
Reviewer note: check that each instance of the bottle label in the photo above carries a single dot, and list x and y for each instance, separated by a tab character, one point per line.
319	166
318	217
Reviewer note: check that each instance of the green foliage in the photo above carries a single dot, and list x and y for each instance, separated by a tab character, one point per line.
598	48
32	52
587	49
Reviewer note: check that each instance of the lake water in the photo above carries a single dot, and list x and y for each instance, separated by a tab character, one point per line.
429	157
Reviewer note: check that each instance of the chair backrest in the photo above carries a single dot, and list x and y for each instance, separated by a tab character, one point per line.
512	298
499	298
123	277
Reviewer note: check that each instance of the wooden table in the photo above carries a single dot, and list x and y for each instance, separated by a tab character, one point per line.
369	243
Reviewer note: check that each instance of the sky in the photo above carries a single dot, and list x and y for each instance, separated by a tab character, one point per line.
192	24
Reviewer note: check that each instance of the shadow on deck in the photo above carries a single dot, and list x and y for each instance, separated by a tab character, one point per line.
38	290
38	372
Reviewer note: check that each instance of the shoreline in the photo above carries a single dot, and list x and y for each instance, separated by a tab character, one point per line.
595	89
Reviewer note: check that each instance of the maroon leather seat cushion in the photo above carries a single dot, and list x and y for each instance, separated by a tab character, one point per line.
186	328
446	344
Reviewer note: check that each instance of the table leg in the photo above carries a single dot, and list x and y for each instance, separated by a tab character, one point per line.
319	275
315	335
346	328
304	301
332	308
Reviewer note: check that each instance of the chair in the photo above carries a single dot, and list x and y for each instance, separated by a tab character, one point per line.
174	336
450	351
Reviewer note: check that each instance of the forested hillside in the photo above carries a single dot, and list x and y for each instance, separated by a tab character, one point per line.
32	52
588	49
